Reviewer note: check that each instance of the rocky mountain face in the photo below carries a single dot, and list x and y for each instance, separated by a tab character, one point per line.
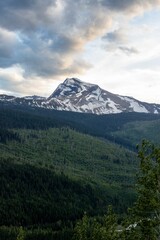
75	95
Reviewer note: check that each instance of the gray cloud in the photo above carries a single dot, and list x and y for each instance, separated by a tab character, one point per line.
29	15
8	44
24	15
116	36
118	40
128	50
130	6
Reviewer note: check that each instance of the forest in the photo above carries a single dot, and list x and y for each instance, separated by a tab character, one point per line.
59	173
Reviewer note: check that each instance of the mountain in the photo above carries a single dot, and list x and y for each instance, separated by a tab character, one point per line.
77	96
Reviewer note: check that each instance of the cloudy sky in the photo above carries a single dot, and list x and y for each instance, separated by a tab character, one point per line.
113	43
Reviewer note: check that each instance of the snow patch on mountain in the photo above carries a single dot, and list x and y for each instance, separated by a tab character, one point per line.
114	107
135	105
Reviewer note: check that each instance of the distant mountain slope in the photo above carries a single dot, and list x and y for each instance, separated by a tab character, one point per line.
102	126
133	132
77	96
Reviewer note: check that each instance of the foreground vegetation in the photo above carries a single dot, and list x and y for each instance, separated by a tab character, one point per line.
143	219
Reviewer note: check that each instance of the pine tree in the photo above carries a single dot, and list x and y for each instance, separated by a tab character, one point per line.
146	211
92	229
21	234
82	229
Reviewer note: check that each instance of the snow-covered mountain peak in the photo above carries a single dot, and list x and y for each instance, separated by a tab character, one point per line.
70	81
70	87
75	95
75	82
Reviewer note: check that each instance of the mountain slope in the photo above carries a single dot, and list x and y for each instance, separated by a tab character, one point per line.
42	172
134	132
77	96
77	155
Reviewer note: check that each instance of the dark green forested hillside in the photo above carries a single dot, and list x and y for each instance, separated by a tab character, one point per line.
82	158
36	196
75	154
133	133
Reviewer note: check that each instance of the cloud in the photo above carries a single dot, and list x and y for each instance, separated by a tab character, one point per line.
11	78
8	42
52	36
130	7
24	15
128	50
118	40
117	36
48	39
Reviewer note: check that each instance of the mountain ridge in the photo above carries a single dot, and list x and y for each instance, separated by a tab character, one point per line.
78	96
